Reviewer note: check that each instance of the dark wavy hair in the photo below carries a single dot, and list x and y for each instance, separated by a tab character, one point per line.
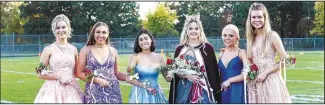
91	36
137	47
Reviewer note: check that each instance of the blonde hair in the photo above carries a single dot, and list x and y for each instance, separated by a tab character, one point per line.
190	19
251	31
233	28
63	18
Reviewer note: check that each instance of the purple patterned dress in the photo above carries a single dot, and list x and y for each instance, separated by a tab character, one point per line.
96	93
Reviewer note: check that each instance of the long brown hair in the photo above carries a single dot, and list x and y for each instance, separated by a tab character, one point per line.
91	36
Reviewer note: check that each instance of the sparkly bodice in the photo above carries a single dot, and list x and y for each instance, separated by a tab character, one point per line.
62	59
107	68
263	61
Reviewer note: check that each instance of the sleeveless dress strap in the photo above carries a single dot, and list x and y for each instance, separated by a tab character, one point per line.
109	51
91	46
221	55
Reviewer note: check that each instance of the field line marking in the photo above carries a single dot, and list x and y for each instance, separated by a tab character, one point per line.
30	73
293	96
303	81
6	102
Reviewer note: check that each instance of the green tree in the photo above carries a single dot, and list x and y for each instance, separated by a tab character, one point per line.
121	17
285	16
304	26
213	19
239	16
182	9
319	19
11	22
161	21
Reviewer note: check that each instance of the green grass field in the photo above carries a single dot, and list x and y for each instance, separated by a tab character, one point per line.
19	84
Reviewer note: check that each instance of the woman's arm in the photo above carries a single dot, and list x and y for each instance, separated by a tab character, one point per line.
279	48
162	63
45	59
120	76
277	44
131	65
81	64
82	60
76	61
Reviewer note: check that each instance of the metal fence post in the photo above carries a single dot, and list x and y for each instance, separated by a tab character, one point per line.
13	43
164	44
314	43
217	40
292	44
168	44
39	44
123	42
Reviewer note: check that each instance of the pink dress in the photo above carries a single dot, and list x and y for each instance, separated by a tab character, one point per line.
273	89
53	91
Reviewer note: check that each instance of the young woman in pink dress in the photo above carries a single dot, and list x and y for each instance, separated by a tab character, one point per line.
60	86
262	45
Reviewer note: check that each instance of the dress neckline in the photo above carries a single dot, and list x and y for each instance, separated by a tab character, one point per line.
197	46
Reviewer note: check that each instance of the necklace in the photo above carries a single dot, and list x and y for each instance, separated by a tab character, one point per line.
98	46
231	50
61	48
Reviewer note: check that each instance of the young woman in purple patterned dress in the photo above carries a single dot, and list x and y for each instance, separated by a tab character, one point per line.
100	58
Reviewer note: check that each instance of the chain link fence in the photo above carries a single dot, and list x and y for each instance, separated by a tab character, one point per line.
32	45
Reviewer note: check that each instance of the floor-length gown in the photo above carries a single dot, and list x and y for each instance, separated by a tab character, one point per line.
273	89
53	91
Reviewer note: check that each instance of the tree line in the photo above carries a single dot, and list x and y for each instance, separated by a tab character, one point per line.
289	18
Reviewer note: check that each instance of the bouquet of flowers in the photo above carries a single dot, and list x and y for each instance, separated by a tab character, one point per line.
41	69
91	74
130	73
290	60
252	73
180	65
135	76
250	70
